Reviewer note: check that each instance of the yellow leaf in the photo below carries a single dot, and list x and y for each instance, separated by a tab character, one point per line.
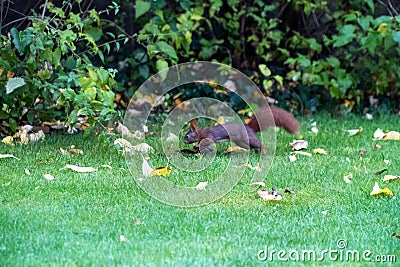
161	171
392	135
320	151
231	149
3	156
390	177
8	140
377	190
79	169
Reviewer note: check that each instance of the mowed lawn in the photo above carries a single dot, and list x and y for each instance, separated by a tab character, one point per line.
104	218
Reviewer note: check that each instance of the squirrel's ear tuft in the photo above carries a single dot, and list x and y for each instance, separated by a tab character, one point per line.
193	123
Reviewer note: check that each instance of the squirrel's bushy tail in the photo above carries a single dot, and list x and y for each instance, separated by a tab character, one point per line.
262	119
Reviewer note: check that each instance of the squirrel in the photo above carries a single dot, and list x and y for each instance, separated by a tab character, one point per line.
260	121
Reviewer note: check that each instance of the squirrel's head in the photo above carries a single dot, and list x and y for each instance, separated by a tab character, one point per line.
193	135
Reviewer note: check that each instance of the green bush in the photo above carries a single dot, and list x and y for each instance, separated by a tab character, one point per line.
313	51
48	72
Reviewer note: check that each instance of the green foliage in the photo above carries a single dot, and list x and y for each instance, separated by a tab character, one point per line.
48	71
342	51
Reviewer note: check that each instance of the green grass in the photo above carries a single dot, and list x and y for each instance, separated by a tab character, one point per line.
77	218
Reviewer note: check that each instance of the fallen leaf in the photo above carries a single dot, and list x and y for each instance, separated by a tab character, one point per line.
266	195
161	171
232	149
299	144
146	168
106	166
392	135
8	140
258	183
378	134
354	131
3	156
302	153
255	168
347	178
314	129
320	151
377	190
201	186
48	177
78	168
64	152
390	177
377	146
74	150
369	116
395	235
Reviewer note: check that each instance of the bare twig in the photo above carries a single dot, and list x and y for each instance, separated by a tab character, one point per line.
44	9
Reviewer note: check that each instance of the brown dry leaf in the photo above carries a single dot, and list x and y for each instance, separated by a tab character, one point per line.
201	186
354	131
4	156
78	168
299	144
266	195
390	177
377	190
395	235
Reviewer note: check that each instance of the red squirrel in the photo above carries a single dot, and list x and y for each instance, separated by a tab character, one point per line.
235	133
